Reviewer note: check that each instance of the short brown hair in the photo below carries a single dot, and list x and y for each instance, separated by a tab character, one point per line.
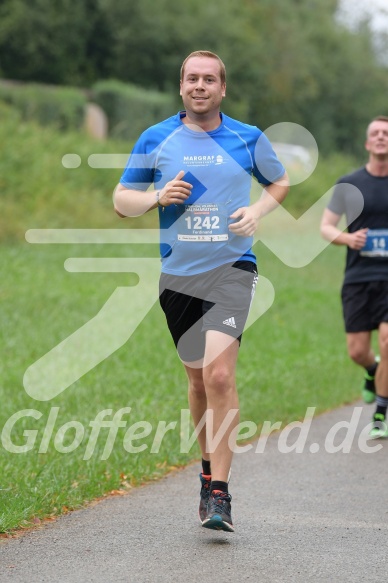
205	54
377	118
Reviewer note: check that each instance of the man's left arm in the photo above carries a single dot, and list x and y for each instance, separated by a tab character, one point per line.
247	218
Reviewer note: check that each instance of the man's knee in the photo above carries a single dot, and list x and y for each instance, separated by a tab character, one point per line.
358	352
218	379
197	388
196	382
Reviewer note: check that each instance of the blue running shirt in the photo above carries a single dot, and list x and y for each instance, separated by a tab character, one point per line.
194	236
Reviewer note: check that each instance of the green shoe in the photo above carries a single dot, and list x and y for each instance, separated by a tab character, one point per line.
368	388
380	427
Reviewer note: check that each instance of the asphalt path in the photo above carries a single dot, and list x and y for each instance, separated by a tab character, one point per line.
316	514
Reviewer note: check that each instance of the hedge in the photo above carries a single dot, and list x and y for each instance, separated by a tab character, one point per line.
131	109
63	107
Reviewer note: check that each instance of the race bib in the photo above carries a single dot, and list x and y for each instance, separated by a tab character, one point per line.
376	243
205	222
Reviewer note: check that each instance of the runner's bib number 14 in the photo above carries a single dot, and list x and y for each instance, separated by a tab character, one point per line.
376	243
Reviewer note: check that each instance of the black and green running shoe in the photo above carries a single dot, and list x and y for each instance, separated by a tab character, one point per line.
380	427
369	389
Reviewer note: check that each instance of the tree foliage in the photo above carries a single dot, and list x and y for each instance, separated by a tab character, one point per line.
53	41
287	60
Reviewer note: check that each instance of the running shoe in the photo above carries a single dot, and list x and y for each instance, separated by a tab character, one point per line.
368	389
380	427
218	516
205	492
204	495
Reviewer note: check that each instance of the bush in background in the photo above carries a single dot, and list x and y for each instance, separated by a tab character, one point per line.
63	107
38	192
131	109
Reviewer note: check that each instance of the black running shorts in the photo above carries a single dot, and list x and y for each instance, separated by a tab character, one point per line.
365	305
218	299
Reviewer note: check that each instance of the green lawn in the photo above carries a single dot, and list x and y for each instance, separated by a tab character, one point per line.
293	357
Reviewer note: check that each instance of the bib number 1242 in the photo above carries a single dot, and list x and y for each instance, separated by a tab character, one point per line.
198	223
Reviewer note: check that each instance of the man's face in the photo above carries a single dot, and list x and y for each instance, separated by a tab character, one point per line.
377	138
201	88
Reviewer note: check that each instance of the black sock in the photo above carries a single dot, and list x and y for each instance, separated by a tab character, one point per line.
371	370
218	485
381	405
206	467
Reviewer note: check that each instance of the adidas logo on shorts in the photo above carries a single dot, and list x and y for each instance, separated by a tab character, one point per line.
230	322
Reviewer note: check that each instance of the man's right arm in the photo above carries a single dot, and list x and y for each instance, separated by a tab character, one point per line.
332	233
133	203
129	202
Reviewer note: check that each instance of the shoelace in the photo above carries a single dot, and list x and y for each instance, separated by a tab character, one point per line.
219	500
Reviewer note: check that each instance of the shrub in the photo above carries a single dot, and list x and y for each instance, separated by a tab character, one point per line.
131	109
63	107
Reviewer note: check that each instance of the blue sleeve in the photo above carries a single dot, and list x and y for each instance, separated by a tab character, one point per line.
267	167
139	172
